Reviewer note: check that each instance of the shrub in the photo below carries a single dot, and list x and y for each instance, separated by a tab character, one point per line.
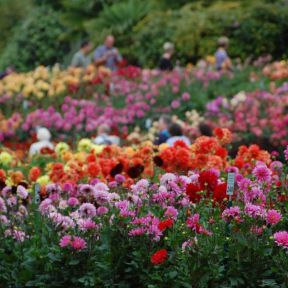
37	41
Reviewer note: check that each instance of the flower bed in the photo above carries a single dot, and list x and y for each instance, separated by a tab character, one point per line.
170	229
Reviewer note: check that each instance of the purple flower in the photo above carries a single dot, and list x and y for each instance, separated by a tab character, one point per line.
86	224
22	192
72	202
231	213
254	211
119	178
87	210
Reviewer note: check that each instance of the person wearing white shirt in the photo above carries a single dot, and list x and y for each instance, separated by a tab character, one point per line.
104	137
176	133
43	136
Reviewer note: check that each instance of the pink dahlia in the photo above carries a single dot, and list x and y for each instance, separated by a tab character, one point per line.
231	213
78	243
254	211
73	201
281	239
273	217
65	241
102	210
262	173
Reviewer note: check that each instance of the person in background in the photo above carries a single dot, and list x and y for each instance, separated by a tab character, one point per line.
81	58
104	137
163	125
43	136
223	61
176	133
165	62
107	55
9	70
205	129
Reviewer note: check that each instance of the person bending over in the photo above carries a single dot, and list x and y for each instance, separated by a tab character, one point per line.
176	133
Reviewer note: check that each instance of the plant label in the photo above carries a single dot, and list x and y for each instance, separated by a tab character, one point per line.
37	189
230	183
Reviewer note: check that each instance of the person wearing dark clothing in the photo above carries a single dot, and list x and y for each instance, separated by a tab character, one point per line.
163	124
205	129
165	63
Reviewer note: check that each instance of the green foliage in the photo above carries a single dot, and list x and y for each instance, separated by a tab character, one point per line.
265	29
36	42
141	28
11	13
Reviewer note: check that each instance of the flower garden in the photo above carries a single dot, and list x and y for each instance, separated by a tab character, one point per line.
141	215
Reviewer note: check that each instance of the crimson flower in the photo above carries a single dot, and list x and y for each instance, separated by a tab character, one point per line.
167	223
159	257
193	192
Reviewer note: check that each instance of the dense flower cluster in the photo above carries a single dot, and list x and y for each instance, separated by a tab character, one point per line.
253	114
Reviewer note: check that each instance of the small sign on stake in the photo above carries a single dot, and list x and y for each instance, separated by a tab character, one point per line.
37	189
230	184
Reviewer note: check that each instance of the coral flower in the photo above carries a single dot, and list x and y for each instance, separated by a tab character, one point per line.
159	257
34	174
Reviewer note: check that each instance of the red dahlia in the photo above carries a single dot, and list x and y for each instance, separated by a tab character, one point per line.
159	257
219	193
208	180
163	225
193	192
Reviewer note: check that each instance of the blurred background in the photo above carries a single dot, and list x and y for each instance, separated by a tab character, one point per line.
35	32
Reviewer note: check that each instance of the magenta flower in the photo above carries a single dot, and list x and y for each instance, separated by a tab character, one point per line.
65	241
119	178
231	213
78	243
171	212
185	96
262	173
281	239
86	224
254	211
101	210
87	210
273	217
175	104
72	202
45	206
